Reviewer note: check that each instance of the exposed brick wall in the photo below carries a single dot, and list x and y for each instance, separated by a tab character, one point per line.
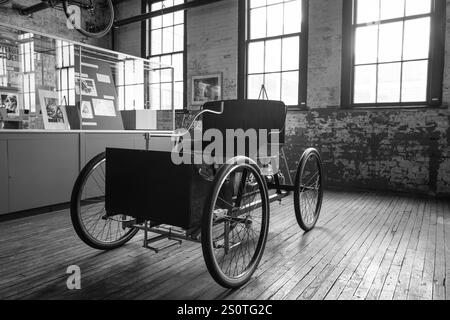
398	149
128	38
324	53
390	150
49	21
212	44
446	97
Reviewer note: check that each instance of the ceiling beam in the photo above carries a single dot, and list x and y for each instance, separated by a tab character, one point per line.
145	16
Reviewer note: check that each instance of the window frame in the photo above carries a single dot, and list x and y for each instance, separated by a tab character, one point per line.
28	71
64	69
147	48
3	68
435	58
244	41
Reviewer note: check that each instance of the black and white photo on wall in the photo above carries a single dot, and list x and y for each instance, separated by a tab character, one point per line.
9	102
206	88
53	111
88	87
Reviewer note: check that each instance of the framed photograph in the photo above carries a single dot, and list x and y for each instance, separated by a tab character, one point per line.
87	86
9	102
53	112
206	88
86	110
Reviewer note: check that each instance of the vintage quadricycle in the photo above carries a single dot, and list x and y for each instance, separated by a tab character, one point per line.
225	207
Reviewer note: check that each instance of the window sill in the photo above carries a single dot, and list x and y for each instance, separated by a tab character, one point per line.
370	108
405	107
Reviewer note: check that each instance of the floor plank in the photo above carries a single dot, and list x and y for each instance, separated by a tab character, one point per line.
366	246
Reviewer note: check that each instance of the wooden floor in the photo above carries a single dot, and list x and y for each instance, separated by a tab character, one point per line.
366	246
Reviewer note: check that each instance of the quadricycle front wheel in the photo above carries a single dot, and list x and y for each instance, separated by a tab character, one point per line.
235	223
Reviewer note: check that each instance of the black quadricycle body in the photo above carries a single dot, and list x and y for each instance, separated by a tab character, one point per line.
225	207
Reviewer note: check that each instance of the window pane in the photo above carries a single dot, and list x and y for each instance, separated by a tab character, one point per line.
273	85
417	39
156	6
177	63
167	19
289	85
166	75
292	17
166	60
366	44
167	3
155	76
390	42
365	84
178	17
275	20
415	76
257	3
391	9
155	97
179	38
178	95
256	57
273	55
367	11
254	85
166	96
389	82
156	22
291	55
414	7
156	41
258	23
167	40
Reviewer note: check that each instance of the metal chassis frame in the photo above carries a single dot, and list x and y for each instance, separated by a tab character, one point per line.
177	236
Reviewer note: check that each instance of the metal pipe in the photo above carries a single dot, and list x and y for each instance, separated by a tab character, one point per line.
34	8
146	16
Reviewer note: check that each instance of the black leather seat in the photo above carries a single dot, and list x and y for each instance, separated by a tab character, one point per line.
246	114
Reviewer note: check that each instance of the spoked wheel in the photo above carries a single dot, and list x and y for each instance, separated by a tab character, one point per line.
308	192
235	224
87	210
95	18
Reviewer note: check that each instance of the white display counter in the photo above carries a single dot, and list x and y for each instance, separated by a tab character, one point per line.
38	169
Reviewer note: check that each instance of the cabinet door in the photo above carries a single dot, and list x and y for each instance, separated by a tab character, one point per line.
43	170
4	198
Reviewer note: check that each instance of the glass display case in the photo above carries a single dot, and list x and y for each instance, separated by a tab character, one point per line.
62	103
48	83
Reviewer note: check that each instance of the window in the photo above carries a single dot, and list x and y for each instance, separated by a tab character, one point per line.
167	48
26	51
276	45
3	69
393	53
65	66
130	84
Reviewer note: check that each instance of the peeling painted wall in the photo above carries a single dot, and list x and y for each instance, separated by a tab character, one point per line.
324	53
389	149
212	45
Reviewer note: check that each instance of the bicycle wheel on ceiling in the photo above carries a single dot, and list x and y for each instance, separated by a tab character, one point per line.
91	18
